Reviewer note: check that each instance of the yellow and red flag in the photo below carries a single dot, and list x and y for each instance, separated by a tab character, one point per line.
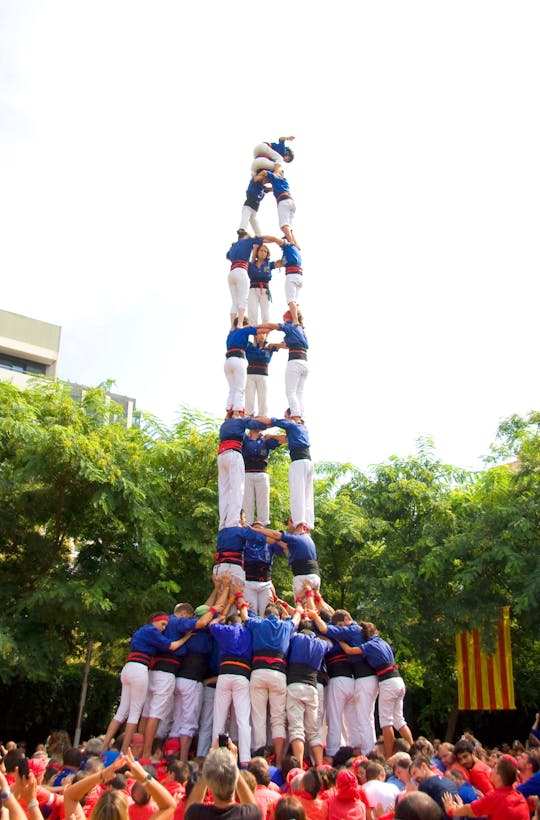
485	681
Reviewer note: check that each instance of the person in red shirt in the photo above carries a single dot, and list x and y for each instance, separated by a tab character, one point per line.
314	806
349	802
479	772
502	803
265	796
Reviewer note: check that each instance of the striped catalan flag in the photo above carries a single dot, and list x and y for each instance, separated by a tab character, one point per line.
485	681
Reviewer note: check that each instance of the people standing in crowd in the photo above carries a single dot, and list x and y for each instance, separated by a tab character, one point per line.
146	642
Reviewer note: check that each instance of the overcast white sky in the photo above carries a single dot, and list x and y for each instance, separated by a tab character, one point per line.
127	130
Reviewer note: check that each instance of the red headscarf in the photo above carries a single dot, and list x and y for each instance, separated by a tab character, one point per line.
347	785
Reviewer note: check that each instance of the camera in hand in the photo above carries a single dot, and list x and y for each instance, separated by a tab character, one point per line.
223	740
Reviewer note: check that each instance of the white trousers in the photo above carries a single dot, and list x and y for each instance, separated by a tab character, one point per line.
230	569
235	373
296	374
250	215
206	721
134	679
286	210
239	288
391	694
302	708
367	690
257	594
258	298
321	711
301	492
263	149
160	694
257	494
265	158
234	689
341	704
298	583
268	687
230	487
188	696
293	286
256	387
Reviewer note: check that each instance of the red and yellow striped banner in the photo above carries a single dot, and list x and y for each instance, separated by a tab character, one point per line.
485	681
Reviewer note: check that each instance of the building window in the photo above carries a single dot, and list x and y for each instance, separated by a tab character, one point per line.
22	365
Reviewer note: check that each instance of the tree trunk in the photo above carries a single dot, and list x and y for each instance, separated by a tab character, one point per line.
451	725
84	689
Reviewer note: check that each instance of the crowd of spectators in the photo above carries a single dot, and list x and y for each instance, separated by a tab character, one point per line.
430	780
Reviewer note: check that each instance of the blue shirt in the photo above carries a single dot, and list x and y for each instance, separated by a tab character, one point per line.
233	639
234	428
279	147
378	652
256	451
308	649
177	628
239	337
259	355
291	255
241	251
149	639
262	273
468	793
233	539
270	633
280	185
200	642
294	336
300	546
297	434
254	194
261	553
531	786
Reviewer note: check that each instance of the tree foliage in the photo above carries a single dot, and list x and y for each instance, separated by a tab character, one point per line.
101	524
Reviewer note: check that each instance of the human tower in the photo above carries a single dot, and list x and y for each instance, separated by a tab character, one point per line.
244	449
245	646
